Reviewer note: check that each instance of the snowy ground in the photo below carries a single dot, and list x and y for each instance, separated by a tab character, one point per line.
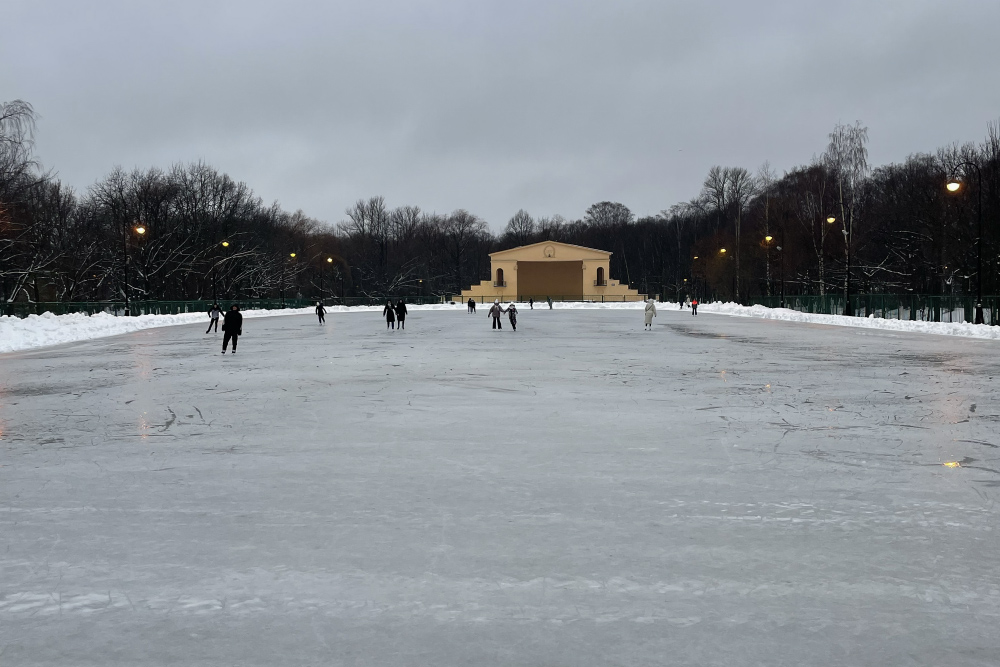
718	491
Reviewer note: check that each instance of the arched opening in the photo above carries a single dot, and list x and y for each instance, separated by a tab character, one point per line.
500	282
600	277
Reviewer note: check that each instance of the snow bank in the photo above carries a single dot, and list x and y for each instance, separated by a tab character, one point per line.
870	322
48	329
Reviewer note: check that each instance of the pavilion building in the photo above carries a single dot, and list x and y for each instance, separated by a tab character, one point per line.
547	269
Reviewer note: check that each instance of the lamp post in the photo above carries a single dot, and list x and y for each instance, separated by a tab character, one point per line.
140	230
781	259
954	185
329	260
847	232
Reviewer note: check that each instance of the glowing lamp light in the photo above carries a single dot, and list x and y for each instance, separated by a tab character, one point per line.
722	250
291	254
225	244
696	256
954	186
831	219
329	260
768	238
140	230
952	464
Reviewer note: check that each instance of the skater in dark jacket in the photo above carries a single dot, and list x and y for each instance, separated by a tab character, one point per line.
389	313
401	313
213	314
472	305
321	312
512	315
232	327
496	310
531	303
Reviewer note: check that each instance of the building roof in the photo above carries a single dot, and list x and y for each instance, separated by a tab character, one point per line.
568	251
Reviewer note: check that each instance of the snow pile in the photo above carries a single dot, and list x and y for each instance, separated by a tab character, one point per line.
48	329
870	322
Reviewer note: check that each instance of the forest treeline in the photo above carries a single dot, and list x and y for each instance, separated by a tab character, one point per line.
191	232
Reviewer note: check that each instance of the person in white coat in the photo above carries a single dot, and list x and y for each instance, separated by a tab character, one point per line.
650	313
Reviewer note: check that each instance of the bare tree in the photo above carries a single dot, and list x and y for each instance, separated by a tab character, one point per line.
847	157
520	229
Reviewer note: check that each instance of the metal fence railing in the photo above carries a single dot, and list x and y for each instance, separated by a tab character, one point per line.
890	306
23	309
591	298
922	307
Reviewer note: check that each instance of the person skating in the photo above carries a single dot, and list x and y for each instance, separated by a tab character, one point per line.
512	315
694	306
531	303
213	313
401	313
650	314
549	299
321	312
232	327
389	313
495	312
472	305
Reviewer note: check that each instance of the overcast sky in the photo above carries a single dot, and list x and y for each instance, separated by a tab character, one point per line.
544	105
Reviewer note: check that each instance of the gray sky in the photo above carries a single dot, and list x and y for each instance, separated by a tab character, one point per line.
544	105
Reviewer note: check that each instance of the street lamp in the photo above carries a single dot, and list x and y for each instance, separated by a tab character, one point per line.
140	230
954	185
847	232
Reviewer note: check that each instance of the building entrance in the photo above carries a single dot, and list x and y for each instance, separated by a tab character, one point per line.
538	280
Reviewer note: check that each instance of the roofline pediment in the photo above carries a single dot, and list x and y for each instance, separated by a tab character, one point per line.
577	250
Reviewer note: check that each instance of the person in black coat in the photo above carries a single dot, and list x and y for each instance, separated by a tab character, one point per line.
389	313
320	312
232	327
401	313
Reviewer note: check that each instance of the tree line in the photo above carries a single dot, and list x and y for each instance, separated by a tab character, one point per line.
192	233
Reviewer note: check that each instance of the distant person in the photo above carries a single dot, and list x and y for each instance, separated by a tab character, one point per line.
495	312
512	315
232	327
213	313
549	299
321	312
389	313
650	314
472	305
401	313
694	306
531	303
682	303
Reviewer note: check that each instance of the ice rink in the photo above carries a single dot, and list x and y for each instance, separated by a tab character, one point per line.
717	491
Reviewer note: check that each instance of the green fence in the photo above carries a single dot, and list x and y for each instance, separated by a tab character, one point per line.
23	309
893	306
590	298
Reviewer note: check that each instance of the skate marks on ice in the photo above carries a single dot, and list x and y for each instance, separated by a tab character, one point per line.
583	490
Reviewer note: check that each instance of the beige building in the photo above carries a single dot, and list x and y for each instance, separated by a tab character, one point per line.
550	269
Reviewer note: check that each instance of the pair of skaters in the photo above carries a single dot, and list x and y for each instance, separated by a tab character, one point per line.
232	325
393	314
496	310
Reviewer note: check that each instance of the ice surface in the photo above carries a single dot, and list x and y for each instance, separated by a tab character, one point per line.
716	491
